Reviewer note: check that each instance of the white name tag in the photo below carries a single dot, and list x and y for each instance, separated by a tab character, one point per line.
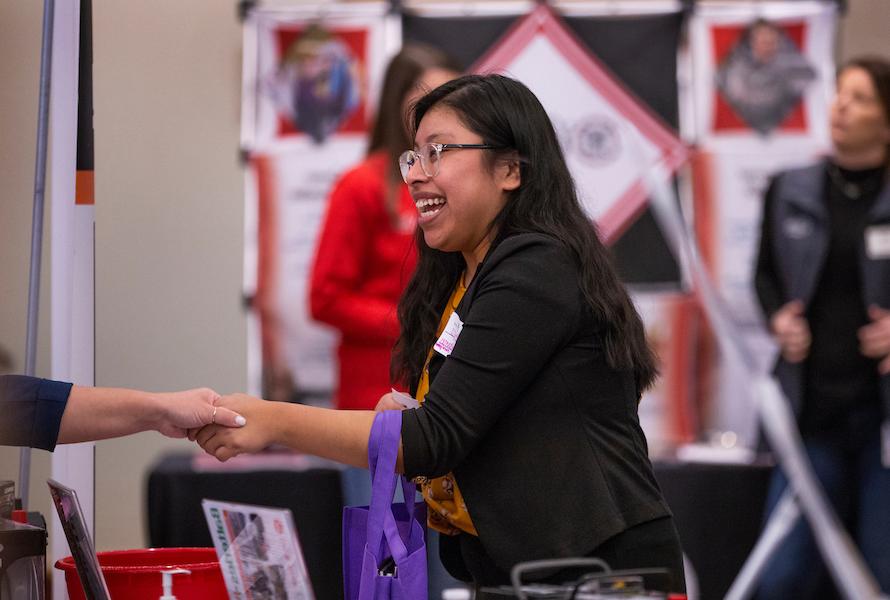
404	399
797	228
445	344
877	242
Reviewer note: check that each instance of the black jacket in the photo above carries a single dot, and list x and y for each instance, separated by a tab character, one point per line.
541	434
793	247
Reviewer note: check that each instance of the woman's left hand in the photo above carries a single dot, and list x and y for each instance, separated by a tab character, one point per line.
874	338
388	402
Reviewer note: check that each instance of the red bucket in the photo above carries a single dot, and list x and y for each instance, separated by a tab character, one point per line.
136	574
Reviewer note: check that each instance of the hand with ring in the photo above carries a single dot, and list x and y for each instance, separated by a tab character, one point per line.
182	414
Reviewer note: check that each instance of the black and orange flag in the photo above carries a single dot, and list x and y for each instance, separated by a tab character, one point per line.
84	189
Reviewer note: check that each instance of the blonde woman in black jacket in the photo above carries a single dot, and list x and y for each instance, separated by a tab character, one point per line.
823	279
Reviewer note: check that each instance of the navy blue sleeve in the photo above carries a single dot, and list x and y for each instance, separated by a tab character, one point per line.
31	410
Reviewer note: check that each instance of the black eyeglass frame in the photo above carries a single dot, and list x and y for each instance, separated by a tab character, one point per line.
405	163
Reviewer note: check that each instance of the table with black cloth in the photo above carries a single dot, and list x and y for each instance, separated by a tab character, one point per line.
718	510
176	518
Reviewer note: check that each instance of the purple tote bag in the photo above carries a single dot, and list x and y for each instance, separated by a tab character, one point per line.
384	550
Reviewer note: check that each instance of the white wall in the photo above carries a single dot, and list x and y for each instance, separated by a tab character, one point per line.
168	212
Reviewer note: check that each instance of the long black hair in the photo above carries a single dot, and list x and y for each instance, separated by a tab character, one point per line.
508	116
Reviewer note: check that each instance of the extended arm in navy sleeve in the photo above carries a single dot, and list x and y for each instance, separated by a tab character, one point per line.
32	410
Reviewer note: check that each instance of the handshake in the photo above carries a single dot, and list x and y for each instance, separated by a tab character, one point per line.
217	423
240	424
224	426
41	413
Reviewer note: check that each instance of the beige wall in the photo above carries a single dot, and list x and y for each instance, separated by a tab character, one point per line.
169	218
20	25
168	214
864	29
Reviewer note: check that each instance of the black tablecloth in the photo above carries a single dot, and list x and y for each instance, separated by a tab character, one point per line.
718	509
176	519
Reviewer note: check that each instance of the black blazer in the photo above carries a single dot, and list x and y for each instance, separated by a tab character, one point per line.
790	266
541	434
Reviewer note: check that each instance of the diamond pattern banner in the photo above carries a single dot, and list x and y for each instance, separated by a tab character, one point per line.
610	139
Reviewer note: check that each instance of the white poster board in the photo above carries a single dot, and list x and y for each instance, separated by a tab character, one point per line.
311	78
762	78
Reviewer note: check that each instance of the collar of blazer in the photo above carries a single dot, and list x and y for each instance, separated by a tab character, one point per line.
805	189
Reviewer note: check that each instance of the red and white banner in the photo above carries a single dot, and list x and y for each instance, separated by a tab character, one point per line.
311	75
609	138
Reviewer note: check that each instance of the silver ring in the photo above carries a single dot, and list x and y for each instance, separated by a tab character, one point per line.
213	416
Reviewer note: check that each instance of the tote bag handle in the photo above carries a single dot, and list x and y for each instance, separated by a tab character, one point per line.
383	450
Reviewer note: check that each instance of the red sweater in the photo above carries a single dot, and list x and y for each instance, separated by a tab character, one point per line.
362	264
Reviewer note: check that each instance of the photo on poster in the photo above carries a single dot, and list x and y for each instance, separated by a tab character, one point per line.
762	76
259	552
317	87
310	78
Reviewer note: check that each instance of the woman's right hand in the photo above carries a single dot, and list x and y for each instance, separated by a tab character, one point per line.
792	332
262	427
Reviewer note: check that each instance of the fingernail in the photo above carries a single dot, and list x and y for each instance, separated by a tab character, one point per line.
240	421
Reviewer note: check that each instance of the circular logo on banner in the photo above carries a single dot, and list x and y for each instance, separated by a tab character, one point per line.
597	140
563	131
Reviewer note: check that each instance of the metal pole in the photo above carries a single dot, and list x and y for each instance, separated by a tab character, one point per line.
781	522
46	55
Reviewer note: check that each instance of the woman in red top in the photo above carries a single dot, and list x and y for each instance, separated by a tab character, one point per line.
365	253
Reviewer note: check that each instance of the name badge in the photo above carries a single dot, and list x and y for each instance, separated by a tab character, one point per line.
445	344
797	228
877	242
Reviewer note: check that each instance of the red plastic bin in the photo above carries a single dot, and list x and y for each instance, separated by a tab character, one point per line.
136	574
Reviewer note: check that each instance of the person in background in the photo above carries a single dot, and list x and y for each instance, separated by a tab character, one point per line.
523	347
823	280
365	250
40	413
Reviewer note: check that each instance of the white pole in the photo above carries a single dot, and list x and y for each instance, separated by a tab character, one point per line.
72	275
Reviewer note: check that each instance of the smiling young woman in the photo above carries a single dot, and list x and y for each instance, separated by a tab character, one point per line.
523	348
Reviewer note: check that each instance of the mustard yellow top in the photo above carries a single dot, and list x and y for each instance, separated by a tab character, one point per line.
447	511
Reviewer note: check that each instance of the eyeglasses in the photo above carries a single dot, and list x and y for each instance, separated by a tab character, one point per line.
429	155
